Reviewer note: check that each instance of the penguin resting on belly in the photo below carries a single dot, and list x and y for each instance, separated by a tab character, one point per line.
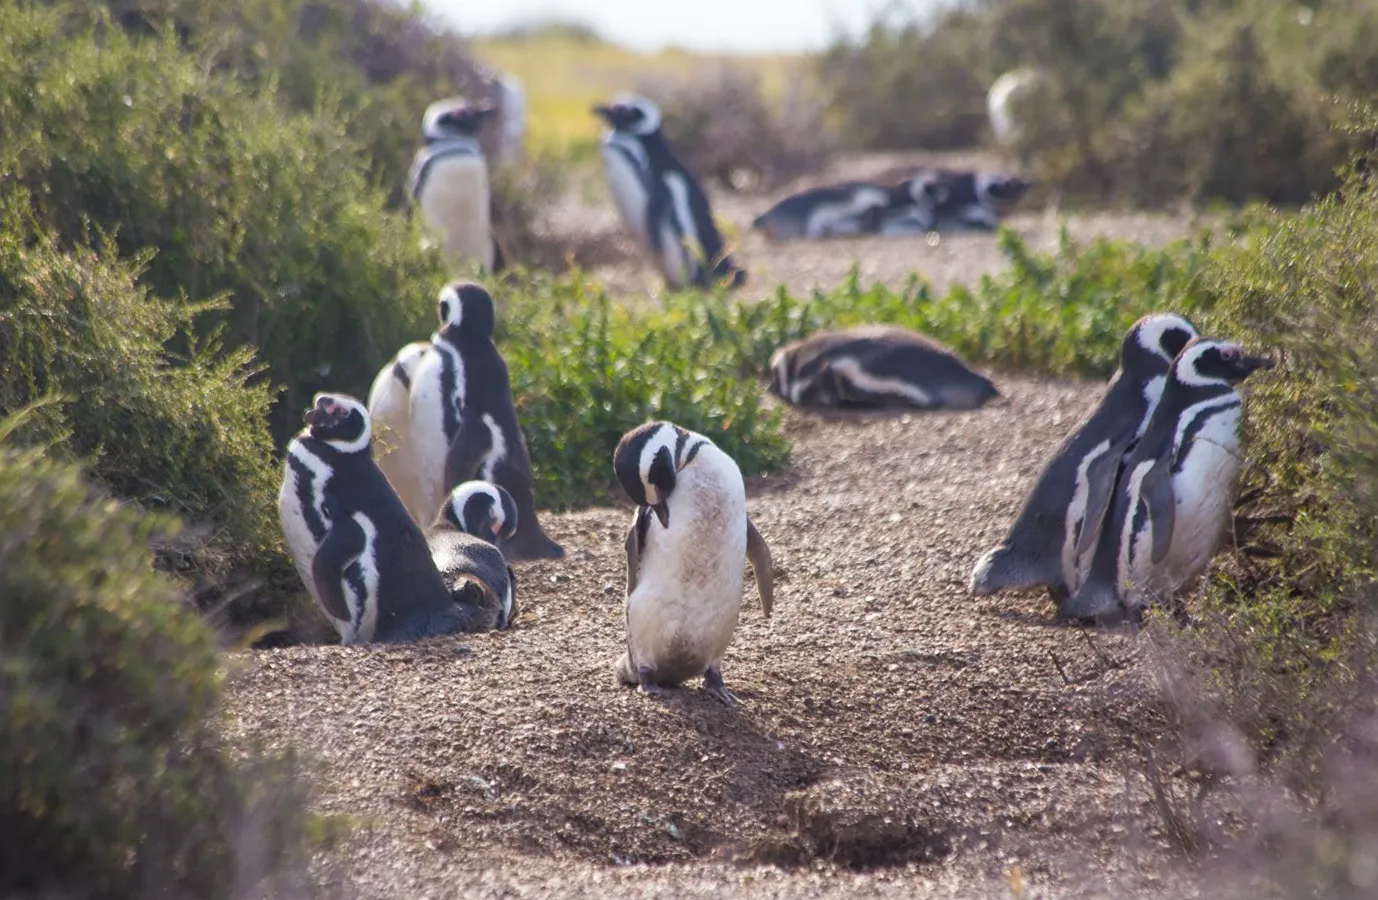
461	540
685	552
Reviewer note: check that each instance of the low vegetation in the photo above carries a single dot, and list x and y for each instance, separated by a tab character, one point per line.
115	780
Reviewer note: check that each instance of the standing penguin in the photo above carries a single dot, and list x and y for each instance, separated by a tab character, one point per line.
389	409
449	180
875	366
849	209
480	581
463	422
1049	543
685	550
661	203
357	551
1173	501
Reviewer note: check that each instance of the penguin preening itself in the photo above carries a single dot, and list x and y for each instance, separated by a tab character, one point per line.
1077	484
389	409
464	423
849	209
875	366
685	552
360	555
660	202
461	541
1173	503
449	180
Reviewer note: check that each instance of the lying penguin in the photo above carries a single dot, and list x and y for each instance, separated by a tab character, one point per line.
875	366
1172	505
851	208
462	542
1065	508
964	201
685	550
464	423
360	555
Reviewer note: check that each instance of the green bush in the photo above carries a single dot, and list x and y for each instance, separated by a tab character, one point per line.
183	433
272	211
114	778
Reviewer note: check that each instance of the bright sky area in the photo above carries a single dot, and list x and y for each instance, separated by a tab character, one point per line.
710	26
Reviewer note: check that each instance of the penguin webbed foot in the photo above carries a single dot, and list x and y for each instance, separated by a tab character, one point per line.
646	683
713	687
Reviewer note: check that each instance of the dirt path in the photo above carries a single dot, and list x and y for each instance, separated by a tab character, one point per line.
895	738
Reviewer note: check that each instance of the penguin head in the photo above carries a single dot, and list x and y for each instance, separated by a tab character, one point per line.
647	462
781	362
1000	191
340	421
1153	342
455	117
630	114
929	190
1207	361
482	509
466	309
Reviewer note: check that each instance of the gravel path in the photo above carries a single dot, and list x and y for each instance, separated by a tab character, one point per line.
896	738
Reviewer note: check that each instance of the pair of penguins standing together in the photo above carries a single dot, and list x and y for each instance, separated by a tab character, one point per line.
354	536
1134	504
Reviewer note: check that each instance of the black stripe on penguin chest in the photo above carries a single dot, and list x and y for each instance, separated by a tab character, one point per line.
1195	427
451	393
307	491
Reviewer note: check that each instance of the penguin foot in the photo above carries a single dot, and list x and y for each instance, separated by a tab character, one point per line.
713	687
646	683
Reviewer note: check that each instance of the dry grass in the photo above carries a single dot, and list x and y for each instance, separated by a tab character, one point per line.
563	78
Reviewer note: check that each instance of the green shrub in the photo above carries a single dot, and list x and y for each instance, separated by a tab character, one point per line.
271	211
182	433
114	778
585	370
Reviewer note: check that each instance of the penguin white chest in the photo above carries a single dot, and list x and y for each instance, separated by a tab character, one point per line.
1073	567
301	508
684	610
455	204
1204	490
437	404
625	165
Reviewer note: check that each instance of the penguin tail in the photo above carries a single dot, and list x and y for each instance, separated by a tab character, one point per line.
625	672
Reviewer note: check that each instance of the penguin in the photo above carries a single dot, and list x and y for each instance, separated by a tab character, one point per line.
360	555
685	548
660	202
876	366
849	209
968	201
463	421
389	410
1007	93
1173	502
479	580
1064	510
449	182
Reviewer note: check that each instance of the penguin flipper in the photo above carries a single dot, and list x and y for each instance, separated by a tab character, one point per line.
759	554
471	444
636	542
1101	478
342	545
1156	492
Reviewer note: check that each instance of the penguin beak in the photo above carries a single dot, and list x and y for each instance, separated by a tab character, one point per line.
318	414
662	511
1247	365
603	112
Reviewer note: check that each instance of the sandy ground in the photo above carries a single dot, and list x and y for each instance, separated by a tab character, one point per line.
895	738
